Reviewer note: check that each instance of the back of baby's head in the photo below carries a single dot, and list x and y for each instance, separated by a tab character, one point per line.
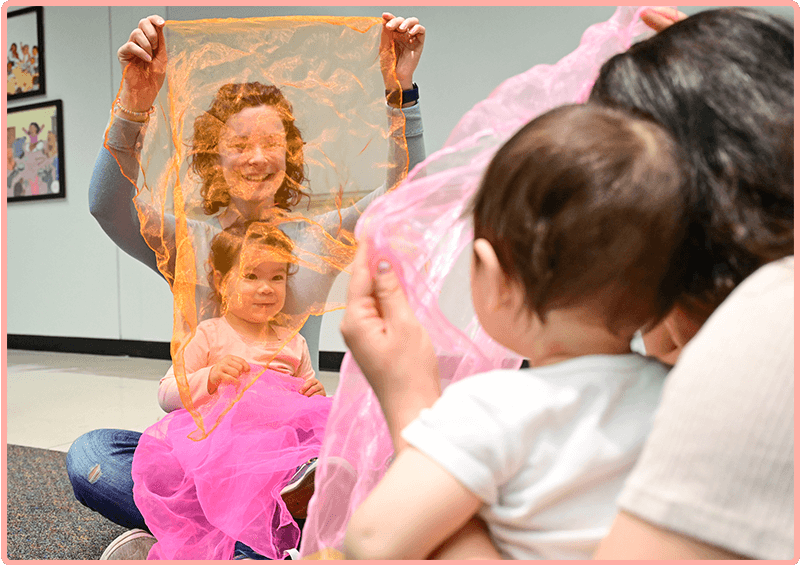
587	206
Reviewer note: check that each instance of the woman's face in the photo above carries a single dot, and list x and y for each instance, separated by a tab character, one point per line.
252	154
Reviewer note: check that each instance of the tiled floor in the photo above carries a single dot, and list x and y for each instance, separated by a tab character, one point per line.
52	398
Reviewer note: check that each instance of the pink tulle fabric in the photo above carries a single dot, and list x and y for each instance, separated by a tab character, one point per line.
199	497
422	228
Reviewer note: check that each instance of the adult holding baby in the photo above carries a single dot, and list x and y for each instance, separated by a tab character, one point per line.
716	476
248	153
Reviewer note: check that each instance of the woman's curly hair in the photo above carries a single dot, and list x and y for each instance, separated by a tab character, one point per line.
204	154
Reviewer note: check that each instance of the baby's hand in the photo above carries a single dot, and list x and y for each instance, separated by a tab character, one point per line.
227	369
311	387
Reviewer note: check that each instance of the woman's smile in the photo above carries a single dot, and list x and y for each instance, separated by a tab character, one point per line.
253	154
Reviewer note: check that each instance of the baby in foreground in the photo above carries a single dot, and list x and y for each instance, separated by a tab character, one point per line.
577	223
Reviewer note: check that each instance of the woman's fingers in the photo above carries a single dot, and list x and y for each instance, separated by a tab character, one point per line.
661	17
135	48
408	23
360	277
417	30
143	41
148	27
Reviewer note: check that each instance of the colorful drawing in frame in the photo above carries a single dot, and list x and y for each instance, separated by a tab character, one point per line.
25	53
35	152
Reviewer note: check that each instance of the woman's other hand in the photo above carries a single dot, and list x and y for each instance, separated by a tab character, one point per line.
661	18
407	37
390	345
143	59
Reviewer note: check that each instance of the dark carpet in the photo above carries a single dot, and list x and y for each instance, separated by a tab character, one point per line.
44	521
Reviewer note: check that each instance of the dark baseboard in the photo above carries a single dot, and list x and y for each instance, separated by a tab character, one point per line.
328	360
92	346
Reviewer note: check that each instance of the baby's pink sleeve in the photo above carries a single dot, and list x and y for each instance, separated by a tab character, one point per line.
304	370
198	367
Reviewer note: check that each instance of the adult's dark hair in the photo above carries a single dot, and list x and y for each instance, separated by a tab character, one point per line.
722	81
204	156
586	205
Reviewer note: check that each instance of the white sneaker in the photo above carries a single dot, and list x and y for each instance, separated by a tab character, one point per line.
132	545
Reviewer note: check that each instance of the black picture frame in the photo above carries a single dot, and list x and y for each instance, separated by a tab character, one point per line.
35	167
25	70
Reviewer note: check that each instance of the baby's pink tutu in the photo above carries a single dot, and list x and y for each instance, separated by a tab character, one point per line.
199	497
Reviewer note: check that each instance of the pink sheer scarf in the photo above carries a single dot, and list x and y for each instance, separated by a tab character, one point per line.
422	227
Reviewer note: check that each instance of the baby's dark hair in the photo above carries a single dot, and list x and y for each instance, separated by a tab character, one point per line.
227	245
586	206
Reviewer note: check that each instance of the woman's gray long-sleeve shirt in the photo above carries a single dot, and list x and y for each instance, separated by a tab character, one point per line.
111	203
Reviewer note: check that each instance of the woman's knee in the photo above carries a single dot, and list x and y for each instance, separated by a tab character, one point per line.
98	452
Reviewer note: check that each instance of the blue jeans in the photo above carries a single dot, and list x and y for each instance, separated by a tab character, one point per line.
99	466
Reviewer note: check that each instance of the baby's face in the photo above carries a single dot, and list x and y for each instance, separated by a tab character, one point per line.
255	289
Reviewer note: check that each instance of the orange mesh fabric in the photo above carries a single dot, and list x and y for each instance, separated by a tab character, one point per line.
324	136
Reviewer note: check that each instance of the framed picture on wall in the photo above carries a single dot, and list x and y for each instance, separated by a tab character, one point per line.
25	53
35	152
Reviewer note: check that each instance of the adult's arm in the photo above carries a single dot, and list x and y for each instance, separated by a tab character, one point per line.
389	344
396	356
332	221
402	43
111	193
634	538
143	60
716	477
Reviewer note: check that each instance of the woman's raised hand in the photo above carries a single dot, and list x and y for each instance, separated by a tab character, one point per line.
143	59
390	345
661	18
407	37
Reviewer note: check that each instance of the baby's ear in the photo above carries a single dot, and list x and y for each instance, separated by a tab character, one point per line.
217	279
485	256
501	291
489	274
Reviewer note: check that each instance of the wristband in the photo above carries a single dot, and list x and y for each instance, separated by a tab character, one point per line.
406	96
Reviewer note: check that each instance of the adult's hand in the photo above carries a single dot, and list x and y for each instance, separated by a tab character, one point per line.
143	59
407	37
389	344
661	18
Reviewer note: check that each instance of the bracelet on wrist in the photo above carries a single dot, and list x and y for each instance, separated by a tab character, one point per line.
144	116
